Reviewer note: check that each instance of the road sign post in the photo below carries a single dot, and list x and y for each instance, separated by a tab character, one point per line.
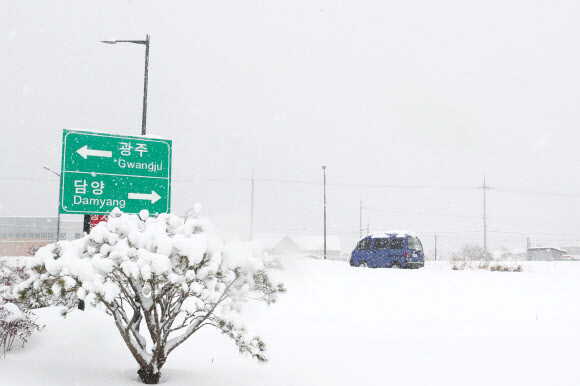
103	171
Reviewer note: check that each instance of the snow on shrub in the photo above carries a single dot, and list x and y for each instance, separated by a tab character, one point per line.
15	324
11	274
457	265
472	256
469	252
170	274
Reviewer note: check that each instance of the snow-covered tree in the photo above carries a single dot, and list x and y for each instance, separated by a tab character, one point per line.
469	252
160	278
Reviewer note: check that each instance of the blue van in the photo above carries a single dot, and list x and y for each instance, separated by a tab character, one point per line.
389	250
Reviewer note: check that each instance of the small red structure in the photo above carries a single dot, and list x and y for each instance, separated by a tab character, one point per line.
97	218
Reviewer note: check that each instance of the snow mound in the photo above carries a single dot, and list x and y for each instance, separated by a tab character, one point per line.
14	313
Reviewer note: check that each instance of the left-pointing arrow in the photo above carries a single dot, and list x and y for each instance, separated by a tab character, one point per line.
153	197
85	151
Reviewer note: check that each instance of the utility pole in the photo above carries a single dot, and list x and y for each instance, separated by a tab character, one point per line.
324	174
528	246
435	247
360	220
368	229
484	220
252	211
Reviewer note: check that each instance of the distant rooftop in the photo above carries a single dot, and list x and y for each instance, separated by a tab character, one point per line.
546	248
304	242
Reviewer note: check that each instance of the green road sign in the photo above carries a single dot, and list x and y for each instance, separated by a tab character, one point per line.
103	171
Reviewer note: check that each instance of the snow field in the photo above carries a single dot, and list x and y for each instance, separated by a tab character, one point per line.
340	325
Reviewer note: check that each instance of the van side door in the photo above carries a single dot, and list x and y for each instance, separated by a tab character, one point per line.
381	247
397	250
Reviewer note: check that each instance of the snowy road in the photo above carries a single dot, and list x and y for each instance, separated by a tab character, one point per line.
339	325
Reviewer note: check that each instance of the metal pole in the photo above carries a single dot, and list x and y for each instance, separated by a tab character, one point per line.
435	247
484	221
87	224
252	211
144	119
146	76
528	246
86	229
58	204
360	220
58	222
324	173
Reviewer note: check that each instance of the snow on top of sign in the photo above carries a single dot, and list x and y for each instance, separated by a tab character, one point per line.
397	233
88	130
151	136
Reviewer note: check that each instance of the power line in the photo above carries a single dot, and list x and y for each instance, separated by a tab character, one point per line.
364	185
536	192
341	184
538	233
421	213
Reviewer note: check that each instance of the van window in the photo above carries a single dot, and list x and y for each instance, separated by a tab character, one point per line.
381	243
397	243
364	244
415	243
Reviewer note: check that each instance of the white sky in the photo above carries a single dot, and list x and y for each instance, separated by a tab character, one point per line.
382	92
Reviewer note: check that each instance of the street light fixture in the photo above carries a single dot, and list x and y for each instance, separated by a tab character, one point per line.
146	43
58	211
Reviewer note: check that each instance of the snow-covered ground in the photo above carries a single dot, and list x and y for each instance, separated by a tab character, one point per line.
339	325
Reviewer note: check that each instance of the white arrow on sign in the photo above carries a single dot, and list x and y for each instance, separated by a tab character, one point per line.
85	151
154	197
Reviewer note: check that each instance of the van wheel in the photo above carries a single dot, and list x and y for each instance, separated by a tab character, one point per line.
395	264
363	264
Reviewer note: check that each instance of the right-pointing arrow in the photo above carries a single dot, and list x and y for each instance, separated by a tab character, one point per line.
153	197
85	151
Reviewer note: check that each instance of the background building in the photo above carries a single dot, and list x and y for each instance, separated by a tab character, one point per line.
301	245
21	236
545	253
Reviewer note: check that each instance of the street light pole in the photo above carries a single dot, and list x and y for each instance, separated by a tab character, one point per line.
145	83
484	220
146	80
58	206
324	173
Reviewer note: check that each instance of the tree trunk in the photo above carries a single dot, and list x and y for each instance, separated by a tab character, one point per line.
148	375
